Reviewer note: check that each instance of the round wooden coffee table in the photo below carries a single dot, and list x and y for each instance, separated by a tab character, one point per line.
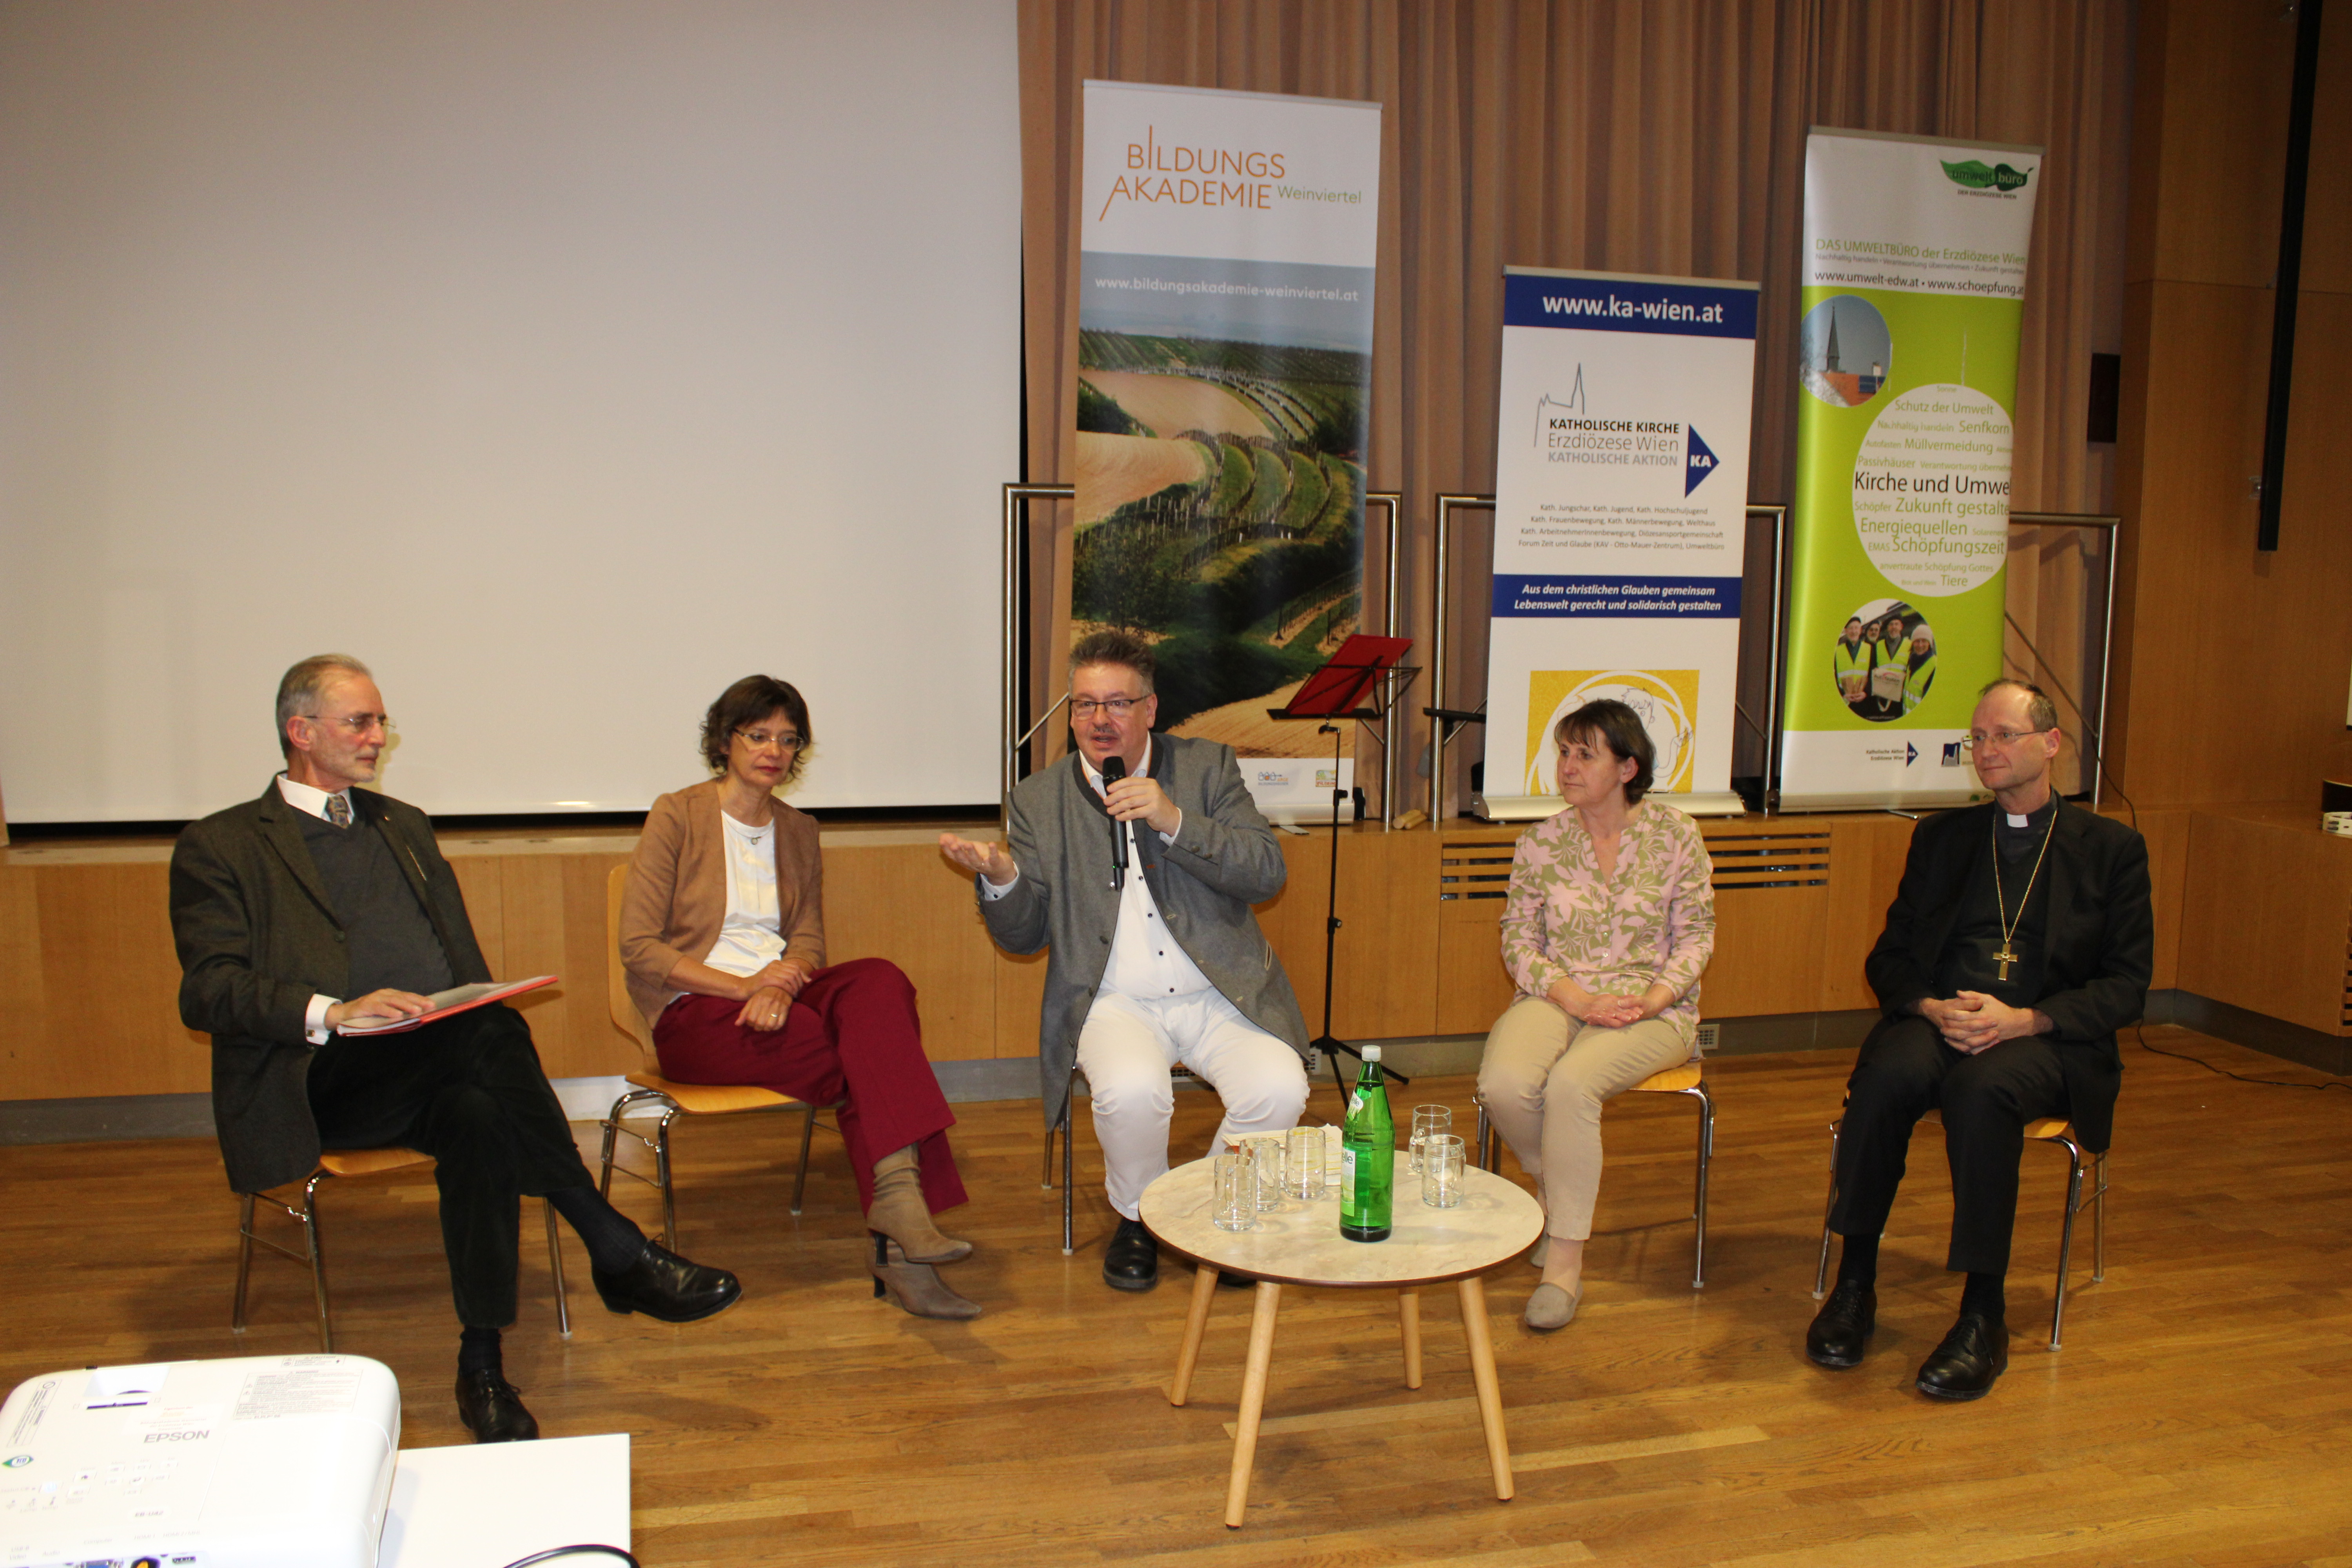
1300	1244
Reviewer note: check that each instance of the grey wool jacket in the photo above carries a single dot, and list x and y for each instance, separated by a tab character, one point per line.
1224	858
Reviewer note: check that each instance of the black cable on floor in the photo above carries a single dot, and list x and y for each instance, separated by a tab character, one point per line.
551	1554
2141	1031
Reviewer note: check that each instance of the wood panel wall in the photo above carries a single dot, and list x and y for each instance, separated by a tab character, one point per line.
1791	928
2270	898
2231	664
89	981
2166	833
2256	906
2213	638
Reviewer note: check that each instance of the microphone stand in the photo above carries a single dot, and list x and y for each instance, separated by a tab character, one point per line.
1329	1043
1366	677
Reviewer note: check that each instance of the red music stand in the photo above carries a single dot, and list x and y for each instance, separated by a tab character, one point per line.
1353	676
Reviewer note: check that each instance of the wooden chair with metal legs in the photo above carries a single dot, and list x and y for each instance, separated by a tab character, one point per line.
2055	1130
1045	1176
1686	1079
648	1087
347	1163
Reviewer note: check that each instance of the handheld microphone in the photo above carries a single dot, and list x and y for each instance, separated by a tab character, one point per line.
1113	770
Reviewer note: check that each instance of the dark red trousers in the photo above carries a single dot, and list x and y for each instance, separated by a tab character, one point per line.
852	1036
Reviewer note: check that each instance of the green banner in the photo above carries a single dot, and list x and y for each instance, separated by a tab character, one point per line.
1913	300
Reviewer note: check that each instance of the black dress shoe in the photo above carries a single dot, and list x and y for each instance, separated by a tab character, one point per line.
661	1284
1972	1355
1229	1280
1843	1327
1131	1261
491	1408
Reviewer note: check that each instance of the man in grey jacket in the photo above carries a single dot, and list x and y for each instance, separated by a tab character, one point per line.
1161	963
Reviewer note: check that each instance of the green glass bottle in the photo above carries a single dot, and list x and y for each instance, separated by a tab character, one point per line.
1367	1156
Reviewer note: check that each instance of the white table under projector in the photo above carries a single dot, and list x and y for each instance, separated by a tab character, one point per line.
281	1461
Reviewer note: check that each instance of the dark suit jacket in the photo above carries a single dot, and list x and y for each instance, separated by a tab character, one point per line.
2100	930
1224	860
257	939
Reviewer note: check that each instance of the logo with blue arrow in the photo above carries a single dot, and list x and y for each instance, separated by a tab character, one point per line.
1698	462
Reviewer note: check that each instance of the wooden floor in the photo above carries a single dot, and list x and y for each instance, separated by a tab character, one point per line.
2201	1410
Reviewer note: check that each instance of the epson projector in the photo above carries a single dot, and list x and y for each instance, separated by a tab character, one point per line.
280	1461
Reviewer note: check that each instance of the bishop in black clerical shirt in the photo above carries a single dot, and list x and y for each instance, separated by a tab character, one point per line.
2019	941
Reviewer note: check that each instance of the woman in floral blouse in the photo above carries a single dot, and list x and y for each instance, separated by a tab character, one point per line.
1608	921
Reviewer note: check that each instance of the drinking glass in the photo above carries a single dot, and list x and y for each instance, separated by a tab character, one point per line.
1441	1171
1332	1163
1304	1163
1232	1189
1266	1149
1428	1120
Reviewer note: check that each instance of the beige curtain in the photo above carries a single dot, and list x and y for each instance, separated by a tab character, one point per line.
1659	136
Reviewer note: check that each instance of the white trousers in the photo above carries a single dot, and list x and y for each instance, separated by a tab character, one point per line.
1128	1049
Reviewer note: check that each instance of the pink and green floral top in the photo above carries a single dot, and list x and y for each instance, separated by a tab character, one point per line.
1651	922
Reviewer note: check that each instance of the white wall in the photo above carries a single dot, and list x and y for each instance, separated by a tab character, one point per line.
563	358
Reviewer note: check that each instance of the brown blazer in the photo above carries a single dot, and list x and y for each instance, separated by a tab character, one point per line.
676	903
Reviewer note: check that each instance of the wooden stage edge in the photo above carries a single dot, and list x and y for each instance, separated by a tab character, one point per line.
2195	1416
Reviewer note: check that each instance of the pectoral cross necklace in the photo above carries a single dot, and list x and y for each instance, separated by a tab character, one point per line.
2007	953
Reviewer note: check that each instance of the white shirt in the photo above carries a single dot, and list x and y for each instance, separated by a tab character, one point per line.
751	938
309	798
312	801
1145	962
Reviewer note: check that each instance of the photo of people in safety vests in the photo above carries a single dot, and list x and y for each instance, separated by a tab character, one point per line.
1883	661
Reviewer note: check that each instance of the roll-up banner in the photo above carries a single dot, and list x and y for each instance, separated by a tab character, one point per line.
1621	500
1226	254
1913	289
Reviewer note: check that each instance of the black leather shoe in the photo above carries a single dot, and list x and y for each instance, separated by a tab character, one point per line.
1972	1355
1131	1261
491	1408
1843	1327
662	1285
1229	1280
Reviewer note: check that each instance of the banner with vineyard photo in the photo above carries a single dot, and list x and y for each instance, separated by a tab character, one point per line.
1225	368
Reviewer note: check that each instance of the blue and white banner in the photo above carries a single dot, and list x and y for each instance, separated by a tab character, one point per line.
1521	594
1620	482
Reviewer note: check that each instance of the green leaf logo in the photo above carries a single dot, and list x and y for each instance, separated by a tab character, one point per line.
1975	176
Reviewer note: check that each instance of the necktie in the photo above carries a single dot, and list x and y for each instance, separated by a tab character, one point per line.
338	811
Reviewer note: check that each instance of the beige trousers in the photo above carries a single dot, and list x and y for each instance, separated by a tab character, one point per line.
1544	1078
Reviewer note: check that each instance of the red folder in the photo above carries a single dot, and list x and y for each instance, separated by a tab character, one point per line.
448	1004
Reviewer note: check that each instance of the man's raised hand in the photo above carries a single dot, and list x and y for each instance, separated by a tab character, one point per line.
989	860
1133	799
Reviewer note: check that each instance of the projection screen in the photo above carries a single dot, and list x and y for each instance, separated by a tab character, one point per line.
564	360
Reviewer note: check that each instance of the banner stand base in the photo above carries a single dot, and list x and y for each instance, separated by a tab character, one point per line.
1924	800
1536	807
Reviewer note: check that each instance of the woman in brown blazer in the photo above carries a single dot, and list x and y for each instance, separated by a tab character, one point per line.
722	934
